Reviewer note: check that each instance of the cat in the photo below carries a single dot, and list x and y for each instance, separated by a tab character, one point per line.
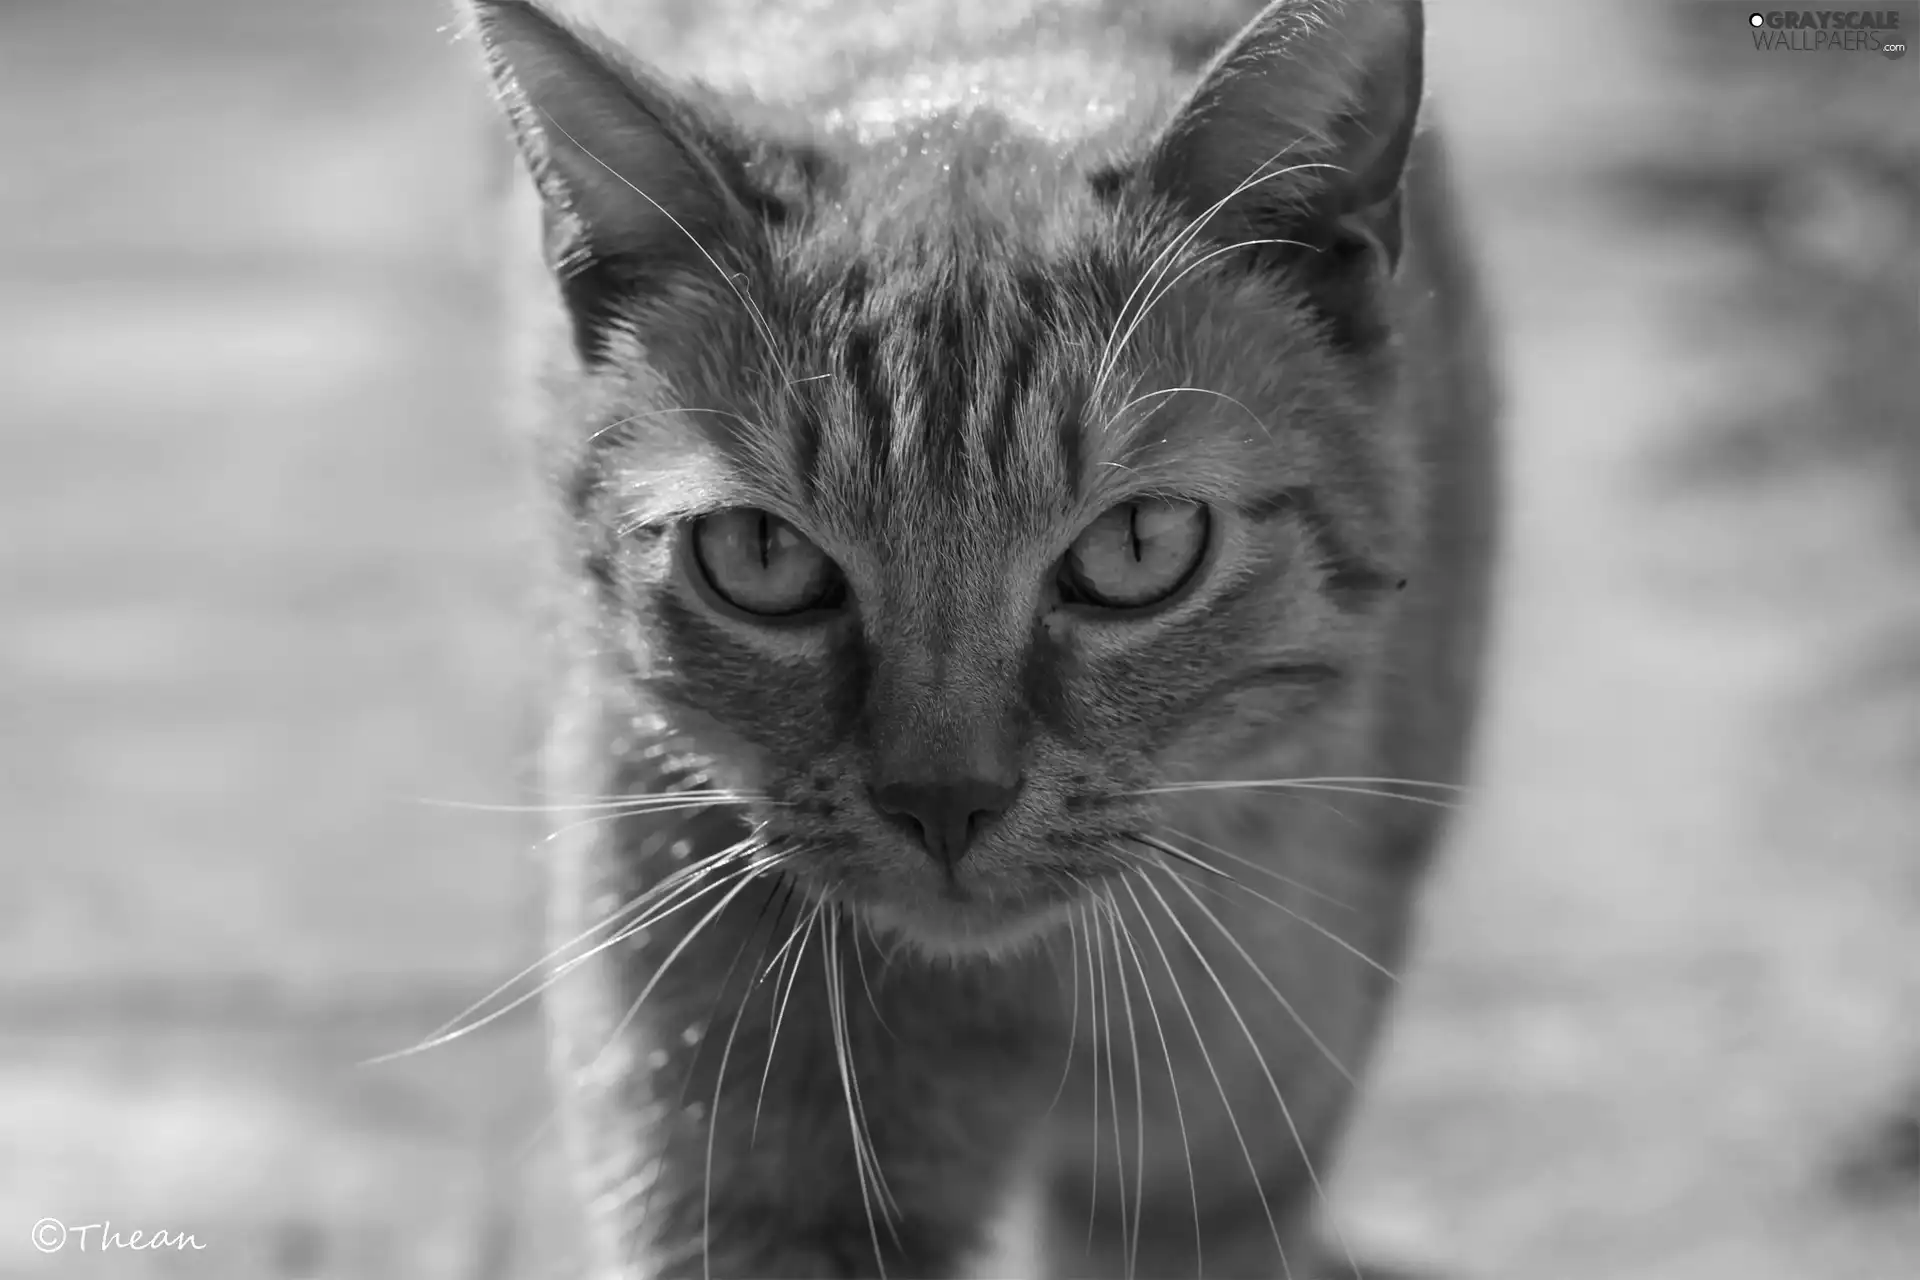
1025	482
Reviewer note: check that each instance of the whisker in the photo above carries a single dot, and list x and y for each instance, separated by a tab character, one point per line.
1286	1112
1277	905
638	804
1206	1056
760	320
790	971
831	968
860	965
679	884
1391	782
594	820
1113	1084
1161	290
1117	926
1190	859
699	1046
719	1083
766	964
1254	865
656	413
1073	1028
1093	1047
1162	262
538	965
891	954
1268	982
739	864
1179	1112
1218	883
700	872
1205	391
552	1114
889	1207
787	946
743	881
1291	784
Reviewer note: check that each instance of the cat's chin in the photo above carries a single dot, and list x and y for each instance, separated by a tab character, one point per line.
956	931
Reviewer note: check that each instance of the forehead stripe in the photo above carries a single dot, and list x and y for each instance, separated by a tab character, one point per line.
861	360
945	334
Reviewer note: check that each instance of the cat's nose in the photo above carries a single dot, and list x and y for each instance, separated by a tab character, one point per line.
947	816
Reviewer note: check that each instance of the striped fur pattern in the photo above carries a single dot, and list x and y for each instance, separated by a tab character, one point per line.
937	338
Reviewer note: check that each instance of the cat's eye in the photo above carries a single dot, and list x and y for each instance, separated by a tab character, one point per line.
1136	554
760	564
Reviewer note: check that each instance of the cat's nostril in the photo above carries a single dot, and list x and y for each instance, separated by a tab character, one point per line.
947	816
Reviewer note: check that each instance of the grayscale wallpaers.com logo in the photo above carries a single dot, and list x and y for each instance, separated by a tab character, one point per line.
1830	31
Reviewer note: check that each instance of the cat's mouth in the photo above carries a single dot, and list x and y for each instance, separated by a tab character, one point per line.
959	912
966	925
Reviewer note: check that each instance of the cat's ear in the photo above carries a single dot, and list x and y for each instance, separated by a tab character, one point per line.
1299	129
632	190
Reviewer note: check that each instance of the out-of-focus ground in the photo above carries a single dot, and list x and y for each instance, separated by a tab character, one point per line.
261	572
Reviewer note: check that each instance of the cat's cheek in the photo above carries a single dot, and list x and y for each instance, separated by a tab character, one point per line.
731	762
1272	729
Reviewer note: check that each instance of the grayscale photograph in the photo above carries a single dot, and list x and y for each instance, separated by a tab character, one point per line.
960	640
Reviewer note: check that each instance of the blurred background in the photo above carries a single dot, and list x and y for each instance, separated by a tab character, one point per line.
263	563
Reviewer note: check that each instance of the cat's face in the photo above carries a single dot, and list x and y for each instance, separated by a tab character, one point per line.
954	515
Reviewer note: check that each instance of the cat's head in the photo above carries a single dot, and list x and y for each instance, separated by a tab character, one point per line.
954	487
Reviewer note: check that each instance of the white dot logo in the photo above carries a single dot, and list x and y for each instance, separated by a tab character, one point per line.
49	1235
1756	20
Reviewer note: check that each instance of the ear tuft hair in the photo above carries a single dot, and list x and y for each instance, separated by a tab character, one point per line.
628	176
1299	130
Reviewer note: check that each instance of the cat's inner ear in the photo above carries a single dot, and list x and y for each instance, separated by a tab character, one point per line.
1300	127
632	193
